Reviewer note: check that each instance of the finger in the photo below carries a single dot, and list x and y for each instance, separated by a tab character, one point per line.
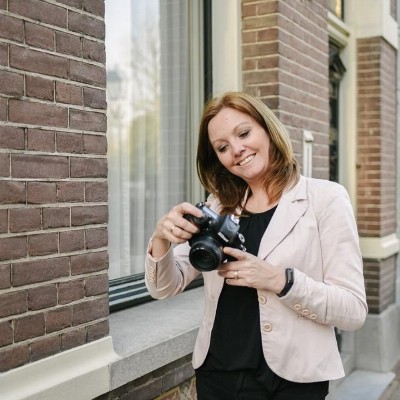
236	253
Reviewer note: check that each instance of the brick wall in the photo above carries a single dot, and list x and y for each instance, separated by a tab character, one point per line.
53	169
285	62
376	191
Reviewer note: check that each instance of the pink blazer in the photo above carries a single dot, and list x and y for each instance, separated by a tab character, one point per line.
314	231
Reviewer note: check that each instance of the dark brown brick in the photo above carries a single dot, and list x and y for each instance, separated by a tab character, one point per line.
97	331
43	244
71	291
96	191
12	248
40	88
58	319
71	191
6	333
68	44
69	142
39	36
39	11
90	310
11	83
95	7
85	24
70	94
94	51
41	140
5	276
94	98
39	62
71	241
13	303
25	219
13	357
3	221
88	215
56	217
73	338
11	28
29	327
96	238
96	284
42	192
42	297
27	112
89	262
12	192
27	272
12	138
4	165
43	348
94	144
88	73
4	54
88	167
88	120
35	166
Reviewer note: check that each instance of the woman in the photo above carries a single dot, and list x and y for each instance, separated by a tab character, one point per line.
268	327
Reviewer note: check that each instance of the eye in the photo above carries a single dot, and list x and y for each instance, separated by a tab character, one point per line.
222	148
244	134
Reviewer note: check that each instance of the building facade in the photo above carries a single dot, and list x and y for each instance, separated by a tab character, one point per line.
99	109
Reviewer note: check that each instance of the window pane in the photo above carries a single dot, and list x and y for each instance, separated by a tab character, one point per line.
336	6
148	91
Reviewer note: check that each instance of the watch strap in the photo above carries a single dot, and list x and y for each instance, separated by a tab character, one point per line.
289	273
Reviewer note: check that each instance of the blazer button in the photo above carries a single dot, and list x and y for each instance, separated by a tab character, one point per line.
313	316
267	327
297	307
305	312
262	299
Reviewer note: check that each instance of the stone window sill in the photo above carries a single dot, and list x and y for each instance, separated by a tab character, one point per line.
154	334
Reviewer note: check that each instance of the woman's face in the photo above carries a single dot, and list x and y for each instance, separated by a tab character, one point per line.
241	144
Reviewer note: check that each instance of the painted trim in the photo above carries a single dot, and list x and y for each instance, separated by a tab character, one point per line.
81	373
379	248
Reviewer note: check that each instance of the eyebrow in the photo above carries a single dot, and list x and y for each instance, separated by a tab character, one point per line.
237	127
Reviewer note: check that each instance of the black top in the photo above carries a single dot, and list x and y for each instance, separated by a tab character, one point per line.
236	336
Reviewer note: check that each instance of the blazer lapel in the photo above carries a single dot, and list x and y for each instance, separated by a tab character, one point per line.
292	205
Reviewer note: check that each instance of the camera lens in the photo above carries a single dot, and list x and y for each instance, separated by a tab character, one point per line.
205	258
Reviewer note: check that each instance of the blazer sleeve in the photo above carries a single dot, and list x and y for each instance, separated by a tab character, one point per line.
340	299
170	274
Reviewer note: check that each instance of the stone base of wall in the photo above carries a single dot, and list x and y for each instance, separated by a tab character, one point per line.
174	381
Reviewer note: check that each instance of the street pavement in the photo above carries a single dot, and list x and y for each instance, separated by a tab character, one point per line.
392	392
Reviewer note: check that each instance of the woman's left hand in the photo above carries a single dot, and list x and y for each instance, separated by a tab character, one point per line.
249	270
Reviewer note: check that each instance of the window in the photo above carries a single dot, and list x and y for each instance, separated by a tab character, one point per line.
337	7
336	71
153	57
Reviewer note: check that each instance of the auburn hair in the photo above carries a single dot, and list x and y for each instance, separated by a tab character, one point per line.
283	170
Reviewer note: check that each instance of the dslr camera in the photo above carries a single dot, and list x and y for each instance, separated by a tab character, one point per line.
216	232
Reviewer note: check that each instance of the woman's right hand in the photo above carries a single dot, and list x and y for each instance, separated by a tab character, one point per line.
174	228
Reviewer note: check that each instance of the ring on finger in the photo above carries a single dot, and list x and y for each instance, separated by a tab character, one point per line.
172	228
235	274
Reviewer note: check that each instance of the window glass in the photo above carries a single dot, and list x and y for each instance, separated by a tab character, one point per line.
336	6
148	93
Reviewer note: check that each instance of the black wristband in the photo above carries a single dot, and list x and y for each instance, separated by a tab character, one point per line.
289	273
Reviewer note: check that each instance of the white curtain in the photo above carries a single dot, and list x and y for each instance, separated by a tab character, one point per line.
147	92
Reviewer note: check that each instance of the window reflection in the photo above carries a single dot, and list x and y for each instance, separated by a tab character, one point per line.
336	6
147	94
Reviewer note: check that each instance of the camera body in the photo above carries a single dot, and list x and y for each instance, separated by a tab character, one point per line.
216	232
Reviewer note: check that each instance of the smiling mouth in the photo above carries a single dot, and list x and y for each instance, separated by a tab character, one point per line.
246	160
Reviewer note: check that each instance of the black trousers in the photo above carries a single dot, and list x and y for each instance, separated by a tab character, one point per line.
263	384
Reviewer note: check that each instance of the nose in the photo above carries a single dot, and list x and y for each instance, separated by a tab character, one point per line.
237	148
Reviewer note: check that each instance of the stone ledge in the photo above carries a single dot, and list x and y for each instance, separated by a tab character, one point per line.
154	334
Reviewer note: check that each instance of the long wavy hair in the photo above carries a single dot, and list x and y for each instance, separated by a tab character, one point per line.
283	170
